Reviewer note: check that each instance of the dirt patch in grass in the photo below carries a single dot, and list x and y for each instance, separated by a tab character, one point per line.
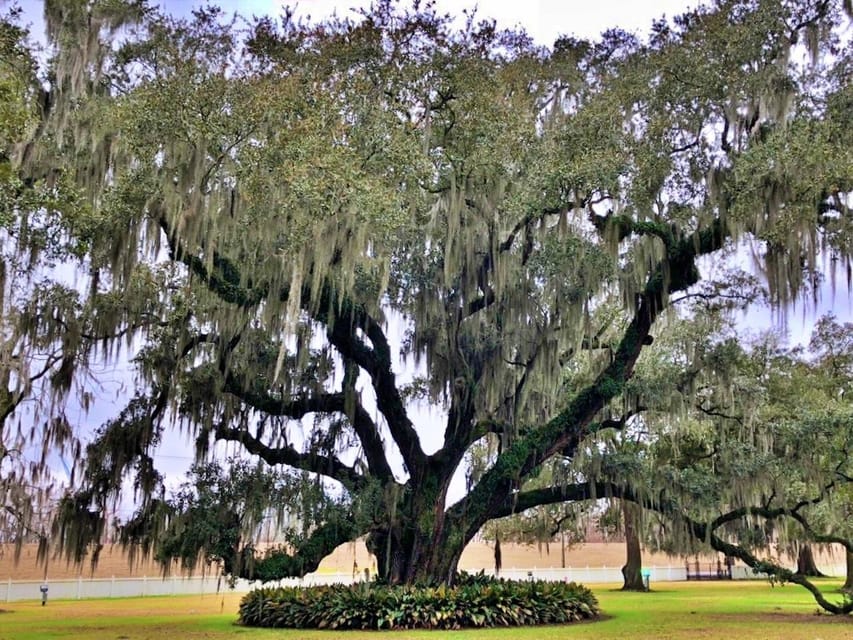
781	617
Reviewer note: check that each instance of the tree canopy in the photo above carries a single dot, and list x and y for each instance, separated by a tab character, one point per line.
296	216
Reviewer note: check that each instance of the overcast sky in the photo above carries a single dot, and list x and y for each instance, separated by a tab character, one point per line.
542	19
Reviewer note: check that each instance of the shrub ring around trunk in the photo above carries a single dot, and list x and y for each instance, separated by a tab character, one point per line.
477	601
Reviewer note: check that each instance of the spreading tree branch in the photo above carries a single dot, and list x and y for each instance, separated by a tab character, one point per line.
563	433
826	538
343	402
225	281
307	461
703	532
376	362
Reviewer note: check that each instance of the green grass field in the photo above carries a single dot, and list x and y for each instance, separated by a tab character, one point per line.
673	611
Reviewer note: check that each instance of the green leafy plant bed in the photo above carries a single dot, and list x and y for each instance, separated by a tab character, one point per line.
471	603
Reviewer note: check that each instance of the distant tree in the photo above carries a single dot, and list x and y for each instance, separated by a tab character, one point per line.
765	457
631	570
214	510
806	564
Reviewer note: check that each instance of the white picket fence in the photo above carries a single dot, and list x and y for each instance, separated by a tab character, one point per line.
76	589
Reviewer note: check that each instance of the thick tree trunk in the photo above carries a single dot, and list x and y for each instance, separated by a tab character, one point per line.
848	583
419	545
498	557
806	564
403	558
632	571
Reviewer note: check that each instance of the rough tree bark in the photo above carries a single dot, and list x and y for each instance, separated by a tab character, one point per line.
806	563
848	583
418	546
632	569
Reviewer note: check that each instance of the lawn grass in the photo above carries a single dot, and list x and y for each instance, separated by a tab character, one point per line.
673	611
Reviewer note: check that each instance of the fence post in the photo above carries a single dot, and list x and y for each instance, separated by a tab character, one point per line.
112	586
9	590
144	583
79	586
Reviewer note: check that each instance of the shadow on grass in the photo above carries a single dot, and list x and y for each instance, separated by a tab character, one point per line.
650	592
781	617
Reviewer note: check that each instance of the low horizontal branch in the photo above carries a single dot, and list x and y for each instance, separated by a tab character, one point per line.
310	461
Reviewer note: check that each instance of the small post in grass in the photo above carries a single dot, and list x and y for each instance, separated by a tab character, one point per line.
647	574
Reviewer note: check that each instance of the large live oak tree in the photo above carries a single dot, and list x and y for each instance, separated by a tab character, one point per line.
313	192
